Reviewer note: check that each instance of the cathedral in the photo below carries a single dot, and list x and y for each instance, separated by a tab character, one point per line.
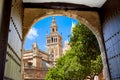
37	62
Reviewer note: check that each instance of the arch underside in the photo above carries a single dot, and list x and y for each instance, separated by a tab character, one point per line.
88	18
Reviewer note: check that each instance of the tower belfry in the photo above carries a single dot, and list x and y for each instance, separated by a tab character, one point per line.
54	27
54	41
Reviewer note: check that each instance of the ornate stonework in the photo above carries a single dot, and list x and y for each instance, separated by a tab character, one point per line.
54	42
35	63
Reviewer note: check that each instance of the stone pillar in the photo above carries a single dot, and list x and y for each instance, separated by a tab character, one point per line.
104	58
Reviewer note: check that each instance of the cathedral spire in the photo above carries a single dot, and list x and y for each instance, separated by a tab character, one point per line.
53	20
54	27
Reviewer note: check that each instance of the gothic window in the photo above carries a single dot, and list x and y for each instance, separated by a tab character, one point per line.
53	30
52	52
29	64
55	39
51	57
52	39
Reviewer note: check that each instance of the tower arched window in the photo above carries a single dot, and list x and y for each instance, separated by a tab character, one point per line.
56	39
53	30
29	64
52	39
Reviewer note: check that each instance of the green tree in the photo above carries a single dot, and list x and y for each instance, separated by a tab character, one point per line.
85	44
82	60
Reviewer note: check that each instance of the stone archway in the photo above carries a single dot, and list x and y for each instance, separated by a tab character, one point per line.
33	15
88	18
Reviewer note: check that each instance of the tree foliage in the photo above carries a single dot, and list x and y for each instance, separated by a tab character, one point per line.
82	60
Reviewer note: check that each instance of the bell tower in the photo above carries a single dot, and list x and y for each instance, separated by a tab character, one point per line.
54	42
54	27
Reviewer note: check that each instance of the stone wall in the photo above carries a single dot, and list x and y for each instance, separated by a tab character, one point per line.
14	48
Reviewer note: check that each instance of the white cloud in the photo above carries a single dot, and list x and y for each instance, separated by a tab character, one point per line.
72	26
32	34
45	46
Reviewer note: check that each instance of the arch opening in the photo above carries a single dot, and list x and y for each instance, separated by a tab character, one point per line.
89	19
82	20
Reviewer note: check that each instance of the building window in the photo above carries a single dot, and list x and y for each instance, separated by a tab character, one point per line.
53	30
52	39
56	39
29	64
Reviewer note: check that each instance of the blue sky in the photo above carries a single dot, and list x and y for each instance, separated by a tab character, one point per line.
42	27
